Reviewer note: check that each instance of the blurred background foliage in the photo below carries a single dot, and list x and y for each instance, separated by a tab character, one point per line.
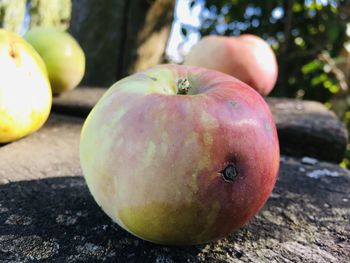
310	38
20	15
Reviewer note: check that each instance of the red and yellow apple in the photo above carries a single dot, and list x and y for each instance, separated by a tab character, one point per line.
179	154
246	57
25	92
62	54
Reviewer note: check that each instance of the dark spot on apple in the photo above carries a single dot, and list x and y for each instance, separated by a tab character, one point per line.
268	127
233	103
229	173
14	53
153	78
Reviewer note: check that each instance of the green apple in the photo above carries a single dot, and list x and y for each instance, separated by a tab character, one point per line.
62	54
25	92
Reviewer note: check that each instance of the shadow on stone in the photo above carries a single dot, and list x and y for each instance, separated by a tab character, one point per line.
57	220
3	144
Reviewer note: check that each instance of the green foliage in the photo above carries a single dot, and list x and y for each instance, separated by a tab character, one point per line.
41	12
50	13
12	14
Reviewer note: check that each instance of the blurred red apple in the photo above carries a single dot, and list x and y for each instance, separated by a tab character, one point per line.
247	57
179	154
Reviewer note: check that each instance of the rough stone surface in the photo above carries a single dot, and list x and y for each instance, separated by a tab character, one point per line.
77	102
51	217
305	128
50	152
308	128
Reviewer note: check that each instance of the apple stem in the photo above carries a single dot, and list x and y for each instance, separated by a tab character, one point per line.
183	86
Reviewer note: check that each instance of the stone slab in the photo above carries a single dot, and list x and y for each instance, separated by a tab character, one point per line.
50	152
308	128
48	215
77	102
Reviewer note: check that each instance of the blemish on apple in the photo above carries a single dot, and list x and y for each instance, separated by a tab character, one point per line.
234	103
164	148
268	127
193	183
150	153
208	139
208	120
229	173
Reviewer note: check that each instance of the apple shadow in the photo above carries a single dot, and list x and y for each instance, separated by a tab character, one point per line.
3	144
57	220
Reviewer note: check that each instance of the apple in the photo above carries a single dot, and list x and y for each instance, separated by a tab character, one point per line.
25	92
246	57
62	54
180	155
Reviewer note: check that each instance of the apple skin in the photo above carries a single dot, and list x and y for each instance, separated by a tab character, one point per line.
25	92
153	160
246	57
63	57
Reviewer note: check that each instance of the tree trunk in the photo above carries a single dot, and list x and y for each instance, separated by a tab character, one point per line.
121	37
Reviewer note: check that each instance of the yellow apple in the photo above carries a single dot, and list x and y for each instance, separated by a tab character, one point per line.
25	92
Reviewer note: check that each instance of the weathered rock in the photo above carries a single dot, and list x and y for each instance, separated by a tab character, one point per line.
305	128
48	215
50	152
77	102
